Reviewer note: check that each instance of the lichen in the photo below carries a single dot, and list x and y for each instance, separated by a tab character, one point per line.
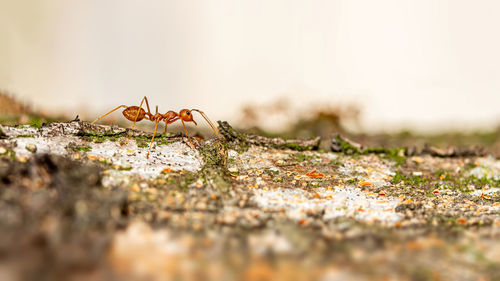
215	154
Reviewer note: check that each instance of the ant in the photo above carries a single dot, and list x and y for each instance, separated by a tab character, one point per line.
137	113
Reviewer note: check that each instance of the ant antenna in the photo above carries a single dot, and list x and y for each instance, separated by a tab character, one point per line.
208	121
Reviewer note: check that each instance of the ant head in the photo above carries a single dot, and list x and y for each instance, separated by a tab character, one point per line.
187	116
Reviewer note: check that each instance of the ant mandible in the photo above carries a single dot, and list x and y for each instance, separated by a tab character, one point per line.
137	113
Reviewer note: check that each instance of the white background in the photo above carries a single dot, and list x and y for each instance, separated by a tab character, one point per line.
426	64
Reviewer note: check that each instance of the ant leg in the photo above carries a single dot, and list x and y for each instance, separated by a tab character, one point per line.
190	138
138	111
108	113
147	104
137	115
170	122
208	121
129	132
185	130
154	134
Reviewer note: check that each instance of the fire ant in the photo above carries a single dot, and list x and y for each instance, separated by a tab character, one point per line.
137	113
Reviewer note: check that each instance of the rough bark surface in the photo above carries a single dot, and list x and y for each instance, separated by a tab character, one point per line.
82	201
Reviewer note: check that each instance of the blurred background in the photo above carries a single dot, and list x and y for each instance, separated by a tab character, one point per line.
371	66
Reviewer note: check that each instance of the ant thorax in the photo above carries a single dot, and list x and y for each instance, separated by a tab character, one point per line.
157	117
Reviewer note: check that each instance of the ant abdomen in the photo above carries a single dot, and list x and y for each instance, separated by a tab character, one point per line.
131	113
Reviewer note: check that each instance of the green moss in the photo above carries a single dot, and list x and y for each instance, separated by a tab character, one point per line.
412	180
36	122
270	172
470	166
106	162
464	183
163	141
235	173
26	136
10	154
144	141
398	177
84	148
336	163
300	157
417	181
31	148
80	148
352	181
445	174
279	180
394	154
123	168
141	142
456	182
102	138
346	147
296	146
478	182
8	120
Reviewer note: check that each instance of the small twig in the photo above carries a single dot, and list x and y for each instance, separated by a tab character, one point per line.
454	151
295	144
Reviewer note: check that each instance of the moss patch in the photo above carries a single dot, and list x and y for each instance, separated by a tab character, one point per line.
78	148
412	180
397	155
25	136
